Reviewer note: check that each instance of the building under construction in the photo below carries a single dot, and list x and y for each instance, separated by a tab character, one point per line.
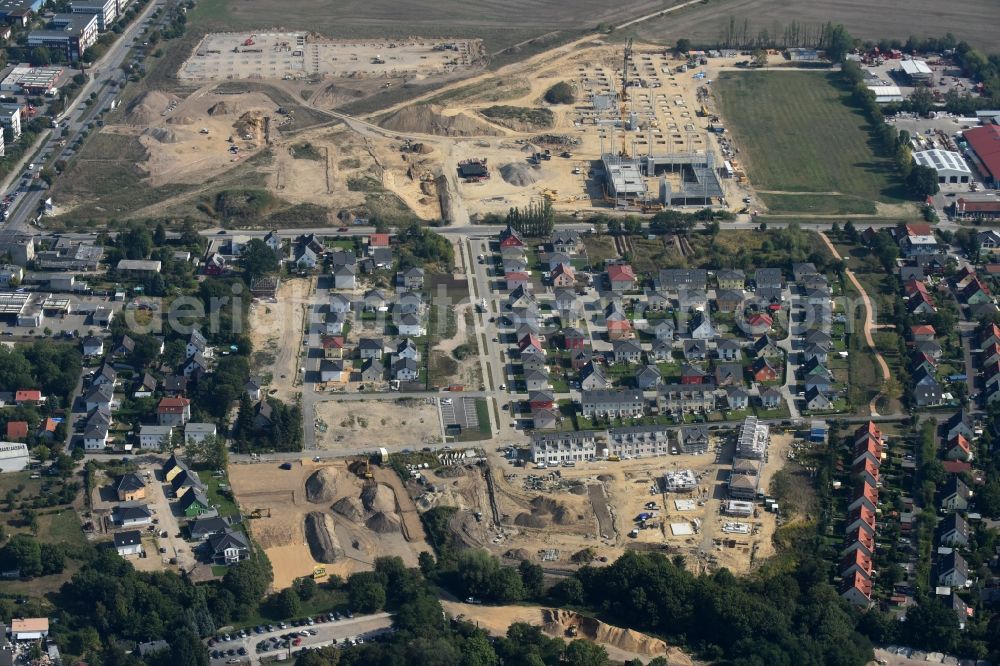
676	179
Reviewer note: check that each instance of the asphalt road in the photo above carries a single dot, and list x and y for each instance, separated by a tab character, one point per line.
106	78
358	626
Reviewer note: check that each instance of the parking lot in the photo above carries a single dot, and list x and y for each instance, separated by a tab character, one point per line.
279	641
460	412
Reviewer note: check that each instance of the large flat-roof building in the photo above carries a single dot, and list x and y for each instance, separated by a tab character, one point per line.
916	71
106	11
10	117
25	79
950	166
13	456
984	150
72	33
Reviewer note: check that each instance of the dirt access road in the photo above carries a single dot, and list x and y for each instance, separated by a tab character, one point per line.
869	320
276	331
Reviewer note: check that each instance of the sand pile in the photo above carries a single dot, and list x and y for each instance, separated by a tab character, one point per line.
218	109
428	119
383	523
350	508
377	497
148	108
557	621
321	537
180	120
321	486
520	175
162	135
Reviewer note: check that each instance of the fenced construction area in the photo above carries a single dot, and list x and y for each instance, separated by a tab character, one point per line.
804	148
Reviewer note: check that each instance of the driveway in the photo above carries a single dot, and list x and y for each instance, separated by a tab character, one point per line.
157	498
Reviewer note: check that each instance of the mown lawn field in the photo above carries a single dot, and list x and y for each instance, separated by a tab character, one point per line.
797	134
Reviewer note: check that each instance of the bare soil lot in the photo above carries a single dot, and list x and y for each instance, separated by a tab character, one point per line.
361	520
393	424
975	21
621	644
276	332
291	55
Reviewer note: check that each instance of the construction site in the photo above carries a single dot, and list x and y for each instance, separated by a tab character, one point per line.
327	518
640	134
594	512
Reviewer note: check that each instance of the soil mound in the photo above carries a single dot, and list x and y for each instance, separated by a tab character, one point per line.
520	175
321	537
531	520
558	621
162	135
180	120
605	478
450	472
383	523
218	109
518	554
350	508
321	486
546	506
578	489
149	107
378	497
428	119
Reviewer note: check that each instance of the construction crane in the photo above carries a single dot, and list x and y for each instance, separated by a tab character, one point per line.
622	103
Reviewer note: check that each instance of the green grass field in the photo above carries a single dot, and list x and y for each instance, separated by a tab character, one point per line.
797	134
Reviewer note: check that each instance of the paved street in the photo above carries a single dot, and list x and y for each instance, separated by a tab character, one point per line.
106	78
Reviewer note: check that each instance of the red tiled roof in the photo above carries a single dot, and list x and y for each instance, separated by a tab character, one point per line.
28	395
518	275
172	405
868	491
562	268
871	429
858	581
985	141
918	229
955	466
979	207
17	429
923	329
858	558
333	342
623	324
760	319
867	466
379	240
959	441
862	536
620	272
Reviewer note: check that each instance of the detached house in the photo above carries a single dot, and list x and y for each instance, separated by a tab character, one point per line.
762	370
954	530
955	495
953	571
621	277
958	448
173	411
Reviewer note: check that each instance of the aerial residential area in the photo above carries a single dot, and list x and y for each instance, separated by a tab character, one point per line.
577	334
